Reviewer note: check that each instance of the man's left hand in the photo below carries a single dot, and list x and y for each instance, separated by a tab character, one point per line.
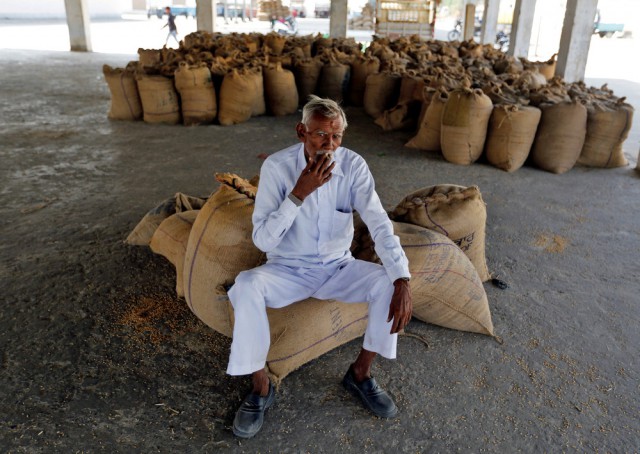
401	306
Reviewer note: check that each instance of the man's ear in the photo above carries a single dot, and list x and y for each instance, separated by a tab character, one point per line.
300	130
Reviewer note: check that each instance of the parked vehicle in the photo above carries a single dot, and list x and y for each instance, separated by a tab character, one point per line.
606	29
286	26
176	10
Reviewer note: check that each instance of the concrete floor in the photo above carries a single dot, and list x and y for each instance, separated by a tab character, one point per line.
98	355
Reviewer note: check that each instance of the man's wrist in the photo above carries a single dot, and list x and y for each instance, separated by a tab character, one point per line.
401	280
295	199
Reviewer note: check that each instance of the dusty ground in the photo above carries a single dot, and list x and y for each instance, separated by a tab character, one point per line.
99	356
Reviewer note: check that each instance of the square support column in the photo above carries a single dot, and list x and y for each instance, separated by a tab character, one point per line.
206	15
79	25
575	39
469	21
338	19
490	21
520	39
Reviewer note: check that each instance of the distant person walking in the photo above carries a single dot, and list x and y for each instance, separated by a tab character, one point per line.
171	22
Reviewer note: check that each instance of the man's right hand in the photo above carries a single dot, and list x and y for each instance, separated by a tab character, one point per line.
315	174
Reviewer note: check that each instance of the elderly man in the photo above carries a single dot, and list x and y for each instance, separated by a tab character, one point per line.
303	220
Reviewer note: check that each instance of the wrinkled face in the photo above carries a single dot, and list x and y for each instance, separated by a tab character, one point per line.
321	135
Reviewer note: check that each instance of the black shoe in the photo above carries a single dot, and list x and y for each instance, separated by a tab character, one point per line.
373	397
250	415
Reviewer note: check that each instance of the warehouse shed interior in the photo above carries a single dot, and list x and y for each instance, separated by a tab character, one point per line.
102	353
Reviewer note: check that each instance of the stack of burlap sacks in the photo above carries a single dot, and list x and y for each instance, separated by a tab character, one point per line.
208	240
463	99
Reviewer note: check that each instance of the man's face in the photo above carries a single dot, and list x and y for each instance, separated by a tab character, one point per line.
321	135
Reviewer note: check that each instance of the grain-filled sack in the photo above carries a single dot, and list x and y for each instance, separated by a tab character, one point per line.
334	79
280	90
149	57
259	103
170	241
465	118
295	341
608	127
197	95
510	135
380	93
219	247
275	43
445	286
454	211
125	99
361	68
159	99
237	98
428	135
144	230
560	136
411	87
307	73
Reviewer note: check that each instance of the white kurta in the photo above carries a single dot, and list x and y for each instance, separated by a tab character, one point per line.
308	254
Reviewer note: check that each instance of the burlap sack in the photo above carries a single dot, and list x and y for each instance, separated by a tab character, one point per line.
445	286
160	102
197	95
334	79
125	99
219	247
275	43
411	88
428	136
280	90
307	73
237	98
465	118
380	93
454	211
608	127
510	135
144	230
361	68
259	103
148	57
170	241
560	136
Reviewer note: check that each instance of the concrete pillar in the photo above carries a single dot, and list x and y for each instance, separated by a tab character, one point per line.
575	39
520	38
490	21
338	19
469	21
79	25
206	15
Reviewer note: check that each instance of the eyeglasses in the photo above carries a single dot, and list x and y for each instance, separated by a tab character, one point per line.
323	135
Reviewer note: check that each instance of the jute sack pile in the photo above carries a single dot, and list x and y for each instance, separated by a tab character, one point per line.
125	99
465	118
454	211
428	136
560	136
197	95
219	247
510	135
144	230
608	127
160	102
445	285
280	90
170	241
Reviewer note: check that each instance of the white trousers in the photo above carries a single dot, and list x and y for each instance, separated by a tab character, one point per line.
276	286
